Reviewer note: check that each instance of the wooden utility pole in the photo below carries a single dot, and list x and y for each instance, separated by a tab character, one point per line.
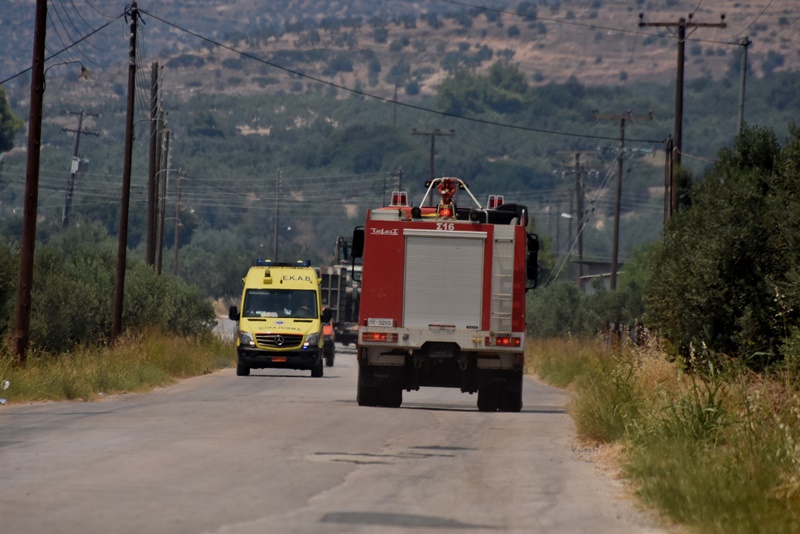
162	200
122	242
681	26
28	239
178	223
76	163
744	43
433	135
277	213
622	118
579	171
150	246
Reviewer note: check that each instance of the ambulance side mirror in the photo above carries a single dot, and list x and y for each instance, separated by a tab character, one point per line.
233	313
532	259
327	314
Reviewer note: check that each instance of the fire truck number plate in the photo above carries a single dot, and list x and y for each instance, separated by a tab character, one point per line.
380	322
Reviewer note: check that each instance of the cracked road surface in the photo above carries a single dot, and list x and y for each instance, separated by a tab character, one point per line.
279	451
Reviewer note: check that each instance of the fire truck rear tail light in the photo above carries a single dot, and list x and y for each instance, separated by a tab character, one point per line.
385	337
502	341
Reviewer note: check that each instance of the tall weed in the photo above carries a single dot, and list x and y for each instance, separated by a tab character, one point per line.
135	363
716	449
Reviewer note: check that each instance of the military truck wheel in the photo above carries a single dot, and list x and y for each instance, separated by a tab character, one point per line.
242	370
391	396
317	370
511	401
487	399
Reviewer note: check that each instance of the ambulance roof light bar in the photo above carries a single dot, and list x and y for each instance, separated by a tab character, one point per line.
270	263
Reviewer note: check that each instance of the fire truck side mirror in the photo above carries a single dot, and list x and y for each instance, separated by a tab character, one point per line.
357	249
532	260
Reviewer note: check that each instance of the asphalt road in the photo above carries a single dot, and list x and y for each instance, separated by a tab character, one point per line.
279	451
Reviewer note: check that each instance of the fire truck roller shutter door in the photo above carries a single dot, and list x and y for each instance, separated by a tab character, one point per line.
443	278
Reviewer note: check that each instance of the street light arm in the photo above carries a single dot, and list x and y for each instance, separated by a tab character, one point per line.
84	75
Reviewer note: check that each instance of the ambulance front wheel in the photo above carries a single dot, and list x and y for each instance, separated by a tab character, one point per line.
317	370
242	370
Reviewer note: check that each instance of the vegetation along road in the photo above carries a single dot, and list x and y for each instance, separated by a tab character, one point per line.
279	451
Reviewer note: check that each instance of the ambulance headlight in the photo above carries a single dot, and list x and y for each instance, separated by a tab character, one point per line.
312	340
246	338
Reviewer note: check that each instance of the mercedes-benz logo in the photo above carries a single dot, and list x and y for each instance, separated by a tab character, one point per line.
279	340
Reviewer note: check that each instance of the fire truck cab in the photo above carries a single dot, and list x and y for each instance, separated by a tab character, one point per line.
443	298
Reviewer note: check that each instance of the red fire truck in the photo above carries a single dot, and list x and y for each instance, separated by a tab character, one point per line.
443	298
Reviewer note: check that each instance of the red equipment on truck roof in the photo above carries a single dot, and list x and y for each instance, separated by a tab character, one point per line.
443	298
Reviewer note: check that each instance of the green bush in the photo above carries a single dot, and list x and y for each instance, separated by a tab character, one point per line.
726	277
73	291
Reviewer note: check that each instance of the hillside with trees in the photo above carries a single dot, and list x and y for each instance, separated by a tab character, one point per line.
286	130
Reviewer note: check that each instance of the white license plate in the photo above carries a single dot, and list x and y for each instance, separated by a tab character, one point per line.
380	322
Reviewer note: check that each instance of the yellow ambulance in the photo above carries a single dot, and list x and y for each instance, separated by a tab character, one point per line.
280	323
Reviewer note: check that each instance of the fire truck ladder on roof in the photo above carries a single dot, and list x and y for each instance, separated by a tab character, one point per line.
502	280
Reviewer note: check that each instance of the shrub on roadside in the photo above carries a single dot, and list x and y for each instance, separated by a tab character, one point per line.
73	290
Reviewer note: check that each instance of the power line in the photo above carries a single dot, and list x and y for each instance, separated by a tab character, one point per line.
65	49
387	100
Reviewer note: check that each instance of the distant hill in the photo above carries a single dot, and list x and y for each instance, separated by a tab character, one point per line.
381	45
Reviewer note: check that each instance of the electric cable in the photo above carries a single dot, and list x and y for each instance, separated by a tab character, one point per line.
389	100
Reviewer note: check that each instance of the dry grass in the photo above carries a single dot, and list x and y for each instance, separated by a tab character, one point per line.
716	450
135	363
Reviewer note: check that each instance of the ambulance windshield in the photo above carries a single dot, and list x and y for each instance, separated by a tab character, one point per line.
294	303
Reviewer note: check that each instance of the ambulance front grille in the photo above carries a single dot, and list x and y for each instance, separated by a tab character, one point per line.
279	340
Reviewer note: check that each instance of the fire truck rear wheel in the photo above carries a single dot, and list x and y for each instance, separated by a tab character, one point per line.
392	396
367	396
242	370
488	399
511	401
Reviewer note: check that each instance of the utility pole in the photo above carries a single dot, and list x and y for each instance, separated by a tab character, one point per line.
277	213
433	135
76	163
28	239
162	200
744	43
150	247
394	108
178	222
122	245
670	200
681	25
558	227
579	171
618	197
